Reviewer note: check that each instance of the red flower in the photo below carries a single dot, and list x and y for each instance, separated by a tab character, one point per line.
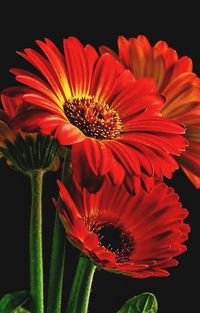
138	236
176	81
13	104
111	120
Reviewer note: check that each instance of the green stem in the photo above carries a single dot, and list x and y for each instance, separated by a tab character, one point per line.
56	268
54	300
36	261
72	303
81	289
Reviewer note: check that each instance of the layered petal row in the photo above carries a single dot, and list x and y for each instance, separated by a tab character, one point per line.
138	236
176	81
110	118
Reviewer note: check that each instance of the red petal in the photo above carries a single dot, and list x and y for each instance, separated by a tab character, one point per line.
91	241
67	134
98	155
57	62
125	78
116	173
67	200
195	179
37	120
81	170
125	156
183	65
35	82
124	52
44	103
104	77
12	98
39	62
92	57
132	184
105	49
77	66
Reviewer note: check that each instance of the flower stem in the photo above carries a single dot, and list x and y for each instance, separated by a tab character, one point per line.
54	300
81	289
36	261
72	304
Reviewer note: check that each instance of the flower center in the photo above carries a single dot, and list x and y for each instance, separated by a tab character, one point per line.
94	118
116	240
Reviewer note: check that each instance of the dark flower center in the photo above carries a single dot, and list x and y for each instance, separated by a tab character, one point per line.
116	240
94	118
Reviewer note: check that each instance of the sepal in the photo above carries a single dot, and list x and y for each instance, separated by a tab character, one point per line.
30	152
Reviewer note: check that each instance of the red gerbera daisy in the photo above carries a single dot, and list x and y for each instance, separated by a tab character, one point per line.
136	235
111	120
13	143
176	81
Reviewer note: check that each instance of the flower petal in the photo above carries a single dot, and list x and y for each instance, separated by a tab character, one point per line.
104	77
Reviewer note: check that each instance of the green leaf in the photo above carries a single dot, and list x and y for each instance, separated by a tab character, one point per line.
21	310
144	303
12	301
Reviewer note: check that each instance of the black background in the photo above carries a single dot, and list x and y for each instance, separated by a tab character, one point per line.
19	27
